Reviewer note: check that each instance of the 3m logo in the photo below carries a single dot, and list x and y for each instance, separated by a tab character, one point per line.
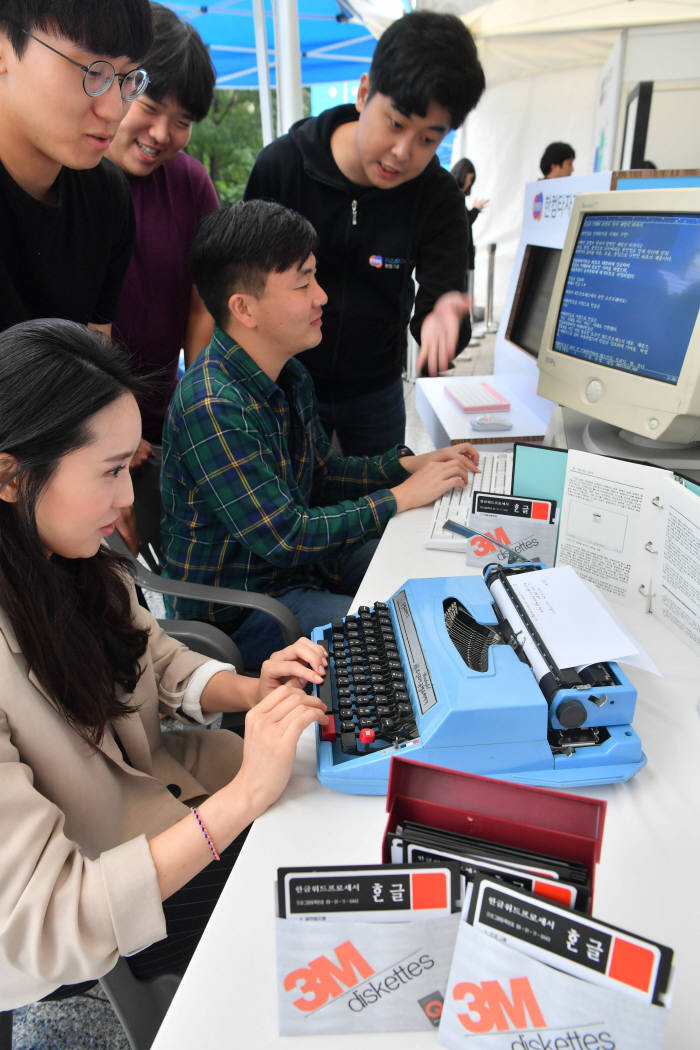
488	1005
324	978
481	546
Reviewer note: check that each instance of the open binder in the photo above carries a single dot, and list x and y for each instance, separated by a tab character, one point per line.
630	528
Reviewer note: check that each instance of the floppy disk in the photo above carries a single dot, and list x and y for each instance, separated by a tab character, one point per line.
562	881
579	945
381	892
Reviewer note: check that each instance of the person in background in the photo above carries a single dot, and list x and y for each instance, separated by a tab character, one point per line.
464	174
159	310
109	828
367	178
68	75
557	160
255	496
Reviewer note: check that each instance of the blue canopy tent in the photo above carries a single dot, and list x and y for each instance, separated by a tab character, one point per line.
332	47
286	43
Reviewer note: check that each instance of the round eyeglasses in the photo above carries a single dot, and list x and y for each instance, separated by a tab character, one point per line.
99	76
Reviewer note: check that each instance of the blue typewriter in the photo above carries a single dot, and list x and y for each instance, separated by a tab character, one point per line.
440	674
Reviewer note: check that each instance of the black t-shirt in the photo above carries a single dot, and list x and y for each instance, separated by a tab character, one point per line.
65	259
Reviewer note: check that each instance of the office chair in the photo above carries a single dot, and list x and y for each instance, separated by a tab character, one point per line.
147	508
140	1005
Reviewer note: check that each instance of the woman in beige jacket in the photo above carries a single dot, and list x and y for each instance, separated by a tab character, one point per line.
96	820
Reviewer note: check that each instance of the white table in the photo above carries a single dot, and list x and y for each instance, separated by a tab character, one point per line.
447	423
646	881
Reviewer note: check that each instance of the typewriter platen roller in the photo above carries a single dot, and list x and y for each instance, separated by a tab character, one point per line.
449	671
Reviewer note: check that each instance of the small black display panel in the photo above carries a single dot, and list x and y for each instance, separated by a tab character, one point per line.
532	297
632	293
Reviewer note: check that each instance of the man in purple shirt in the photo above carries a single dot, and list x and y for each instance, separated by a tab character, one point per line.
159	310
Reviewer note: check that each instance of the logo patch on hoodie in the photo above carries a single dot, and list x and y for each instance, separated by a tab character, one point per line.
387	263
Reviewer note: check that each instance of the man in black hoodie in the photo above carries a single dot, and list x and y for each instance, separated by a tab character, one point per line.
367	178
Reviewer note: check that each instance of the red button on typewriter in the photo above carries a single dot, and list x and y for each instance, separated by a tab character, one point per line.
366	736
329	732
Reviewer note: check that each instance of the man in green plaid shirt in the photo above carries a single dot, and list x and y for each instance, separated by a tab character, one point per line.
254	494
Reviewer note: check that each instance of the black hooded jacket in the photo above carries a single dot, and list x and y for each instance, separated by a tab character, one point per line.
371	241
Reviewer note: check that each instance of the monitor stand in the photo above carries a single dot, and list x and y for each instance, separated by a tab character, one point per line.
607	440
578	431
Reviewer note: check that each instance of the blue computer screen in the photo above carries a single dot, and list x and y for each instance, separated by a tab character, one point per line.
632	294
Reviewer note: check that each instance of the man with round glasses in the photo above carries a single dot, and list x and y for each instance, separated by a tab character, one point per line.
68	74
99	76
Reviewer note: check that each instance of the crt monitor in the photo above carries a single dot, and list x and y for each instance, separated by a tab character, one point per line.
621	342
533	293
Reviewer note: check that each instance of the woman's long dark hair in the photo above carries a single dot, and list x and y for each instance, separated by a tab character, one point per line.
460	171
71	615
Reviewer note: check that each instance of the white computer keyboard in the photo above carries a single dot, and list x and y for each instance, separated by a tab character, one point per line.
496	473
477	397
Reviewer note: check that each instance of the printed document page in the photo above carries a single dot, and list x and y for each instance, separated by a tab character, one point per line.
677	592
612	523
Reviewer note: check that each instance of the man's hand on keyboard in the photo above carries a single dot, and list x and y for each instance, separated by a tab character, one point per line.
297	664
443	455
433	474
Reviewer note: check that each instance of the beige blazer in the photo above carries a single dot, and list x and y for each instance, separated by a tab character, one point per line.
77	882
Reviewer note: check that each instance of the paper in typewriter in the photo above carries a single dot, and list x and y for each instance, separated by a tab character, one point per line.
575	625
634	531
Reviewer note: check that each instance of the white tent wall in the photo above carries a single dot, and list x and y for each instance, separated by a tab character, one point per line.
673	138
670	57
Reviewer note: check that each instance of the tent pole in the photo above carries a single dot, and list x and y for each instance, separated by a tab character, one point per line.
276	35
263	71
616	159
288	52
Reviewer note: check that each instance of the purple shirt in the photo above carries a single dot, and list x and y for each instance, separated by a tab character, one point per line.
155	298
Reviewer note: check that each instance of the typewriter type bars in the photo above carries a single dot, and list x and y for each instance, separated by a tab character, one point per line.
471	639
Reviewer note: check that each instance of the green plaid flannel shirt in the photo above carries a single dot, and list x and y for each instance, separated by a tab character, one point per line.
254	495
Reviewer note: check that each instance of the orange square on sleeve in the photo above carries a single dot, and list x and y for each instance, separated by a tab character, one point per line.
428	889
632	964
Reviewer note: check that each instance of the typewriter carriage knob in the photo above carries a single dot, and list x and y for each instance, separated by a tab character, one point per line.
571	713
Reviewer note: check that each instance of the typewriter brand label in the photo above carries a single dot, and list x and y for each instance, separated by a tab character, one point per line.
414	653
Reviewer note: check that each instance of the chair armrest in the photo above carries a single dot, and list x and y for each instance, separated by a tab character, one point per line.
152	581
140	1005
205	638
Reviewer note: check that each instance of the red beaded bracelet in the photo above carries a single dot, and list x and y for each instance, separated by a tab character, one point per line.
206	834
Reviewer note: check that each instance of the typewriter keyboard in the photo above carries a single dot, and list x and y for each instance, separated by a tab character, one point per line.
365	689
